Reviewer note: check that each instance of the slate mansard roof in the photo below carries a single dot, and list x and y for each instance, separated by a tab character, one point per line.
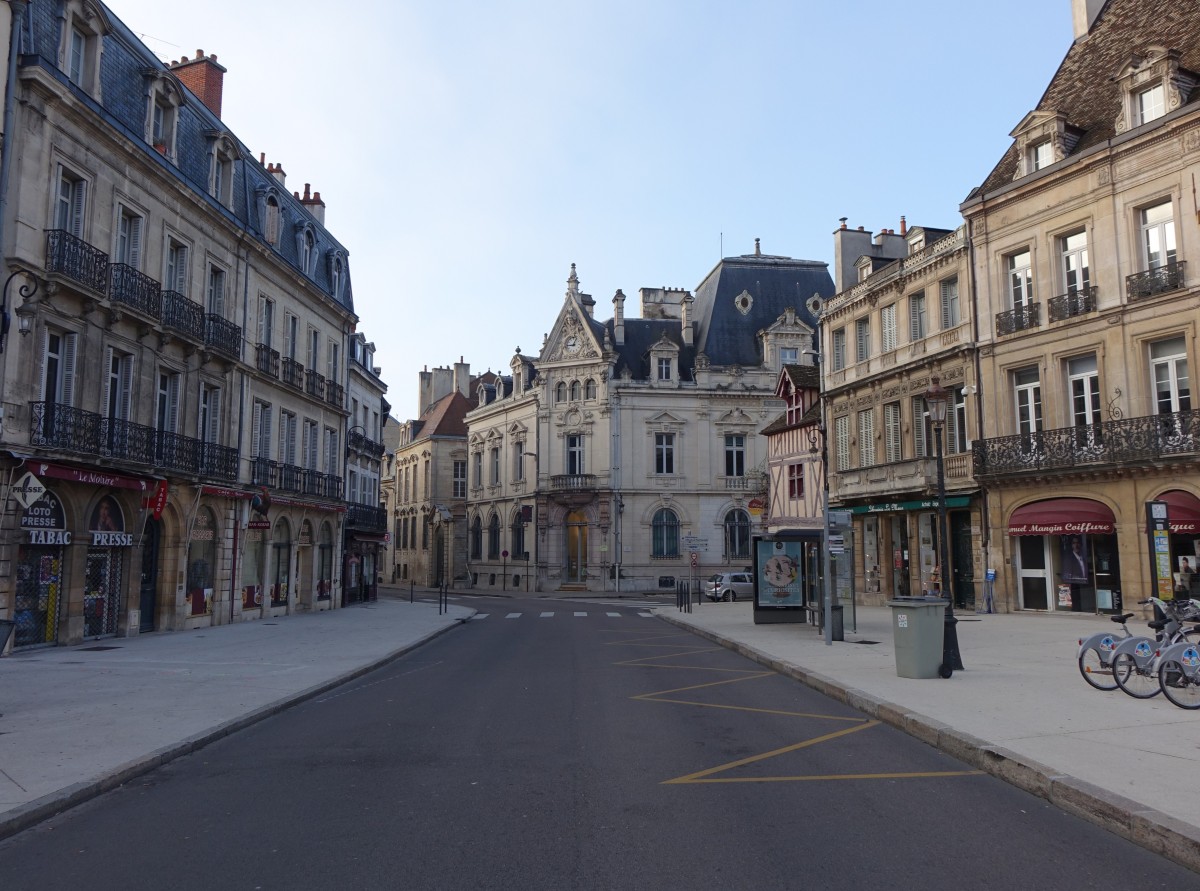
124	63
1084	89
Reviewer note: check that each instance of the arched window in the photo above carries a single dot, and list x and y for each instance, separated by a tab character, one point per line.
665	534
574	391
737	534
589	390
308	254
477	538
494	537
560	392
272	221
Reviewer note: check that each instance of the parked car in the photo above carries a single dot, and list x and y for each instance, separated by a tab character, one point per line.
730	586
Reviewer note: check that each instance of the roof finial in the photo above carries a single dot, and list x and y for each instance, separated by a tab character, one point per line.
573	283
757	251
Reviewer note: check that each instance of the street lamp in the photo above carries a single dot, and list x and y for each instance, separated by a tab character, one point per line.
826	559
937	398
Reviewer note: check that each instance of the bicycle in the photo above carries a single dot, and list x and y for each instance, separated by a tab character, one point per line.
1095	654
1135	660
1179	668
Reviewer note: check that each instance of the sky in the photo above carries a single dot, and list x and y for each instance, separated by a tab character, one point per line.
469	152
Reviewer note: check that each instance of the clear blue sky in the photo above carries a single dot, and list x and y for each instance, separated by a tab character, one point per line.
469	152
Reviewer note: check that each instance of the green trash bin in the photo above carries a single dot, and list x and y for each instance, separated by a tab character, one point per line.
918	626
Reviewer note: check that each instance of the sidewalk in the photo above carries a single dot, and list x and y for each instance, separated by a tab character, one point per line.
1019	710
76	721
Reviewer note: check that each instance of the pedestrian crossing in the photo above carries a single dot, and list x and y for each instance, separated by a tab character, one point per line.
576	614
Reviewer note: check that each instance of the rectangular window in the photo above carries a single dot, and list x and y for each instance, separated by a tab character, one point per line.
795	481
76	55
1150	104
839	349
333	455
1074	252
129	238
460	479
664	369
352	487
287	437
175	277
495	466
266	320
862	340
788	355
575	454
216	291
841	441
1158	235
1027	396
260	430
312	445
167	414
518	454
58	367
70	203
866	438
291	333
735	454
917	325
477	457
1041	155
664	453
887	318
956	423
314	348
951	313
208	425
891	432
118	385
1169	371
1020	280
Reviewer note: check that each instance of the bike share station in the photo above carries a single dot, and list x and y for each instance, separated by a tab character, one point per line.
789	569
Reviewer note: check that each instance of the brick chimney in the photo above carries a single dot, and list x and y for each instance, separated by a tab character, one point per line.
204	77
313	203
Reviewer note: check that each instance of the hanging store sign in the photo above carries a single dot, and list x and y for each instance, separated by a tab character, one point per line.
28	489
923	504
93	477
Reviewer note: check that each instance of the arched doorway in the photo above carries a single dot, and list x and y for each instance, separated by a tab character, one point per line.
577	549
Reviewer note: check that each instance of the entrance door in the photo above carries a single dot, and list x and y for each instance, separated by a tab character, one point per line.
148	599
1032	577
962	561
900	581
576	548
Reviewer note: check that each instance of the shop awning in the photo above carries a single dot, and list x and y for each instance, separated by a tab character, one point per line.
1183	512
1062	516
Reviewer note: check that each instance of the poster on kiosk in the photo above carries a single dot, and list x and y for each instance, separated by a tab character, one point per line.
787	579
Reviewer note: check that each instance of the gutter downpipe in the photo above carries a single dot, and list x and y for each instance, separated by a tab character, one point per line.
986	543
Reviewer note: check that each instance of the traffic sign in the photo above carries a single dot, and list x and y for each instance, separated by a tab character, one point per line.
695	559
695	543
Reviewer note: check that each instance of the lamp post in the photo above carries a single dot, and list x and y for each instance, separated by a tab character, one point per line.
826	559
937	398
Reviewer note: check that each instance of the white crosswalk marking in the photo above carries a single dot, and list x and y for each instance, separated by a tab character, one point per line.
549	614
582	614
478	616
613	615
514	615
546	616
645	615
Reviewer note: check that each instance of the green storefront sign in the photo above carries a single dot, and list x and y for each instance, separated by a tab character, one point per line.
923	504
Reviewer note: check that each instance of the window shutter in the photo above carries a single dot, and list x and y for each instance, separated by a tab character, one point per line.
919	442
79	198
69	344
946	305
173	404
126	404
135	242
914	319
107	400
181	269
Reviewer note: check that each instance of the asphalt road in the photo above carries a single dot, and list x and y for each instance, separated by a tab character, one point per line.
572	745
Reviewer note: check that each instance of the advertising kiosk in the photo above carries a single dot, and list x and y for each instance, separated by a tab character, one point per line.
787	576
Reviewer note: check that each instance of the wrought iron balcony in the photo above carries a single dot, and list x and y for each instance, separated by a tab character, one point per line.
69	429
266	360
366	517
76	259
135	289
293	373
291	478
1071	304
222	336
1120	442
359	443
264	472
335	393
1141	285
314	384
573	482
183	316
324	485
1020	319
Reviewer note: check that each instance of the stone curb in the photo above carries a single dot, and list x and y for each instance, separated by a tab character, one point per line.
27	815
1146	827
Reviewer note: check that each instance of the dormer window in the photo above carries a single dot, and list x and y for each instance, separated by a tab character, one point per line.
220	174
1151	86
163	99
272	221
664	369
1041	155
337	274
1043	137
79	55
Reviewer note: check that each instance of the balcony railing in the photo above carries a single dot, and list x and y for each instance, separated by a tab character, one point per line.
293	373
573	482
314	384
1018	319
366	517
359	443
222	336
76	259
291	478
135	289
324	485
183	316
1074	303
335	393
1141	285
69	429
1119	442
266	360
